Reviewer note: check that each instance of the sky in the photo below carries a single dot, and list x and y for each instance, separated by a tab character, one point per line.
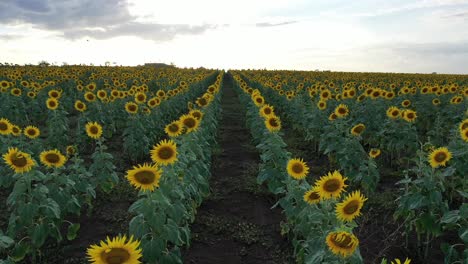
362	35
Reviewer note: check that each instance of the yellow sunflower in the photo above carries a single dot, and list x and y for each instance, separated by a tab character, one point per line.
406	103
332	117
258	100
52	158
196	113
115	251
439	157
54	94
189	122
140	97
145	177
374	153
5	126
90	97
71	150
350	207
52	103
273	123
174	129
436	101
322	105
342	243
393	112
398	261
164	153
409	115
31	132
464	135
15	130
331	185
102	94
18	161
266	110
94	130
463	125
131	108
341	110
297	169
312	196
358	129
80	106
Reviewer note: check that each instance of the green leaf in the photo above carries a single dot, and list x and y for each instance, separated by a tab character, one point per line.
19	252
463	234
73	231
39	235
6	241
450	217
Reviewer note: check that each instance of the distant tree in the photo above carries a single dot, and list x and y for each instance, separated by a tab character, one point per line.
43	63
107	63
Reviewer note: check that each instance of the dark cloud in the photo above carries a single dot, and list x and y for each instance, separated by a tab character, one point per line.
101	19
267	24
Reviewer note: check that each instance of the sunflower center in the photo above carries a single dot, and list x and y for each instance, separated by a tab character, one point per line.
190	122
351	207
52	158
115	256
202	101
464	126
15	130
440	157
94	130
3	126
165	153
174	128
145	177
410	115
332	185
267	111
54	94
342	111
273	122
19	160
141	98
395	113
358	129
80	106
197	115
52	104
314	196
297	168
31	132
343	242
131	108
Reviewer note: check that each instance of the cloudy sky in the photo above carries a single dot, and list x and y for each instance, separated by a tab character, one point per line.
360	35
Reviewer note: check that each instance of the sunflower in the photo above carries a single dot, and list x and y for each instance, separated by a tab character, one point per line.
164	153
464	135
31	132
393	112
436	101
52	158
15	130
16	92
131	108
358	129
406	103
5	126
439	157
266	110
153	102
115	251
18	161
322	105
409	115
174	129
80	106
140	97
94	130
398	261
312	196
374	153
190	123
201	102
297	169
71	150
196	113
332	117
145	177
341	110
52	103
331	185
350	207
273	123
463	125
54	94
342	243
90	97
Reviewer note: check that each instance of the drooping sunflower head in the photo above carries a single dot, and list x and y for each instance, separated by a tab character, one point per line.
94	130
312	196
342	243
52	103
80	106
144	177
439	157
273	123
15	130
409	115
115	251
341	110
196	113
266	110
164	153
174	129
358	129
331	185
31	132
131	108
297	169
190	123
5	126
350	207
52	158
18	161
374	153
393	112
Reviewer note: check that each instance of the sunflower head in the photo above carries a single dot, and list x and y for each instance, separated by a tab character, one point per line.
165	152
140	97
350	207
190	123
144	177
463	125
312	196
331	185
54	94
409	115
31	132
15	130
89	97
374	153
332	117
52	103
94	130
398	261
273	123
406	103
5	126
393	112
52	158
436	101
439	157
266	110
358	129
322	105
341	110
115	251
18	161
80	106
342	243
71	150
297	169
174	129
196	113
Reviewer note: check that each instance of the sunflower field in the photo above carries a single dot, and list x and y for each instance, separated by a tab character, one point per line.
364	167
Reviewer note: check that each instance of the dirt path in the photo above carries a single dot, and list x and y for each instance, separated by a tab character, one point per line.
235	224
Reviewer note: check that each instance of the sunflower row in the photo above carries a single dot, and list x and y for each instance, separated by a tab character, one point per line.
171	187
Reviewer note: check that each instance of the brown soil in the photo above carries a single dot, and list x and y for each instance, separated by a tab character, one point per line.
235	224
